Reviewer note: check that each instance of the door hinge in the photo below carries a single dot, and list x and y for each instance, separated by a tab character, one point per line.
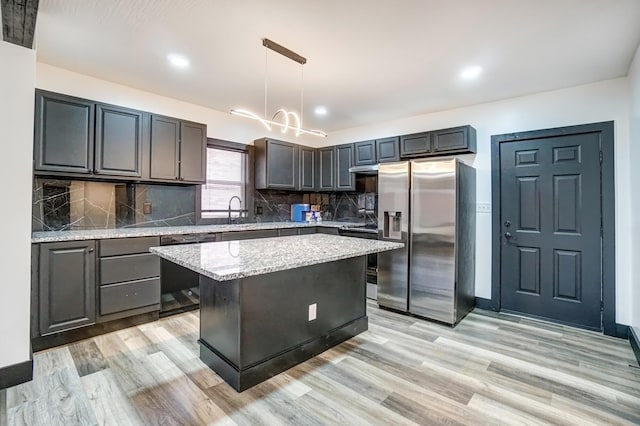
601	157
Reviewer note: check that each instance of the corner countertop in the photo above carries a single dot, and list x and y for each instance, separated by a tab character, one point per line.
229	260
103	234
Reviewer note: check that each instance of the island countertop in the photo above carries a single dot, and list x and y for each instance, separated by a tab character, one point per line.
229	260
102	234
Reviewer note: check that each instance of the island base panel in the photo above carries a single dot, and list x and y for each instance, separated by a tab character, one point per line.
255	327
245	379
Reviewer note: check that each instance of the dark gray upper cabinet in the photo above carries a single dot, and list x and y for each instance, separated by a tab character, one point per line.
365	153
64	132
118	144
345	180
455	140
276	164
388	149
193	147
417	144
307	169
67	296
165	146
326	177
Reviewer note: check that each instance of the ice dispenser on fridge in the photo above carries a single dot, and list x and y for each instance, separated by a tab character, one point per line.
392	229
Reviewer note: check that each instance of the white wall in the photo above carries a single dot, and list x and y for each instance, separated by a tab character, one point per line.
634	83
17	82
603	101
220	125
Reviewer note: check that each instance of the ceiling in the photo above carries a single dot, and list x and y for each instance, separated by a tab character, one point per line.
367	60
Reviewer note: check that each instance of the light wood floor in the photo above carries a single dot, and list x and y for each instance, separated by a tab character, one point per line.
490	369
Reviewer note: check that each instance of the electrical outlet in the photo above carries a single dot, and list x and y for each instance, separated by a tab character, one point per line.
147	208
312	312
483	207
259	210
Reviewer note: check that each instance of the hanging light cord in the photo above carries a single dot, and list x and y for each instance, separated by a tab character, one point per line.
266	73
301	93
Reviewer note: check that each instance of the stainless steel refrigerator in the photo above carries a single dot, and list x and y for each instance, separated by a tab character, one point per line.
430	206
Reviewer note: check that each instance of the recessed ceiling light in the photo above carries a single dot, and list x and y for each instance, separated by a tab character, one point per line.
320	110
471	72
178	61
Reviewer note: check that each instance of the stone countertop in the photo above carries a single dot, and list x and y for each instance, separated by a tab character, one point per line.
229	260
103	234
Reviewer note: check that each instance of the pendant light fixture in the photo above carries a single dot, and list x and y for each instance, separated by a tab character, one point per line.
283	119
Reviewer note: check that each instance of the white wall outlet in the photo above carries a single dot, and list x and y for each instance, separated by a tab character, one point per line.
483	207
312	311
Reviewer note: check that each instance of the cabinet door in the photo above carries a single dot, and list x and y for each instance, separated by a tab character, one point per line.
414	145
326	169
118	141
307	169
67	286
345	180
457	139
193	147
64	128
388	149
365	153
164	148
282	165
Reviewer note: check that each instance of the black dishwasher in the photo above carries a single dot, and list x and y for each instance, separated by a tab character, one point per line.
179	286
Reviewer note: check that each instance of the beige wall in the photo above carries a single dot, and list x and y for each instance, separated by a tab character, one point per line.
17	81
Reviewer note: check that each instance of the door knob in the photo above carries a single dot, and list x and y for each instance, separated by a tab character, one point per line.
507	235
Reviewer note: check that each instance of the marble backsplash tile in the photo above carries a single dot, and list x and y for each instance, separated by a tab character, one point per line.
69	204
340	206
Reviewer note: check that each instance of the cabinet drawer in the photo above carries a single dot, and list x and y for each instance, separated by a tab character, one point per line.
120	246
127	268
129	295
307	231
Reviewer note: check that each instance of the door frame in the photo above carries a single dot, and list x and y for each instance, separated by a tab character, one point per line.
607	200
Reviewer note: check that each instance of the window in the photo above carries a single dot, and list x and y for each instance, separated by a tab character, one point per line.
226	177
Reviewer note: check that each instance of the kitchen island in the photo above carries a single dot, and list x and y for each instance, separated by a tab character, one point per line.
269	304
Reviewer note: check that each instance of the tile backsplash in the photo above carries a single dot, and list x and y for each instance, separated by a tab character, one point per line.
70	204
60	204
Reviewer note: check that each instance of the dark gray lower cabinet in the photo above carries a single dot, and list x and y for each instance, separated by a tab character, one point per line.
67	286
129	278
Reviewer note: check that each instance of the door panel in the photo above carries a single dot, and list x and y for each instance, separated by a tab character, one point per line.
193	147
550	225
164	148
118	141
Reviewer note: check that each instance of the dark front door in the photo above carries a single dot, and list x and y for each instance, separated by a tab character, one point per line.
551	263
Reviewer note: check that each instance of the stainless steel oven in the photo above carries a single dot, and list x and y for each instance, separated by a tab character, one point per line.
369	232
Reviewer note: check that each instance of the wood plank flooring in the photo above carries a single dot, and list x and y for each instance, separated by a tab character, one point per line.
491	369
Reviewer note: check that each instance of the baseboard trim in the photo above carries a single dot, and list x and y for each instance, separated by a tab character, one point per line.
16	374
634	340
482	303
621	331
241	380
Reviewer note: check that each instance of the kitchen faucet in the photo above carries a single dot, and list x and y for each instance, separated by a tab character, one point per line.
240	211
